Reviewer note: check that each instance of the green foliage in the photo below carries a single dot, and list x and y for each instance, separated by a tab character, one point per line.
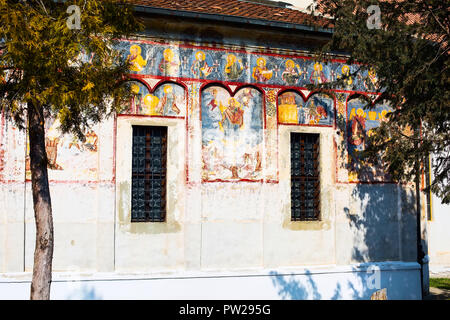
441	283
73	73
410	55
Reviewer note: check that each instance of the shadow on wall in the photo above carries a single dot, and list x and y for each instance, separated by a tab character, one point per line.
84	292
291	289
306	287
383	223
360	284
378	225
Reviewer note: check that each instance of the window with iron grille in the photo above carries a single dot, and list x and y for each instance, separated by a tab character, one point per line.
305	177
148	181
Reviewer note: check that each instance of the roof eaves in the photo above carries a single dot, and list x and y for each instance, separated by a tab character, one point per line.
229	18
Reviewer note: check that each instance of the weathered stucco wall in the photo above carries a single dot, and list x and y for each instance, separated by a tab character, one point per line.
210	226
438	235
222	225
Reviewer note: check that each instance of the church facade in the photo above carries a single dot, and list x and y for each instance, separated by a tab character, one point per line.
225	177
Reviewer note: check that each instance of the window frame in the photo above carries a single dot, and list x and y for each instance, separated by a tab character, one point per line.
149	177
300	179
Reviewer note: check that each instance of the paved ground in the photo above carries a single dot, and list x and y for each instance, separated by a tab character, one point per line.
436	293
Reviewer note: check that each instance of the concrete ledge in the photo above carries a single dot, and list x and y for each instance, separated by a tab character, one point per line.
351	282
304	270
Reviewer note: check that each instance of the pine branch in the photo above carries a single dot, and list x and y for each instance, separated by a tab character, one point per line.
446	30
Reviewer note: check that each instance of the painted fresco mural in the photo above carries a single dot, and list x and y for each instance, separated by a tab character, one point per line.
217	64
271	135
68	157
231	134
232	125
168	99
12	148
360	122
317	110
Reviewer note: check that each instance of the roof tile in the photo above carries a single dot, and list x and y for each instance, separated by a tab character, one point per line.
234	8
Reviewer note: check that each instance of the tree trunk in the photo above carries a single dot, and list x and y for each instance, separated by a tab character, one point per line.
43	252
420	254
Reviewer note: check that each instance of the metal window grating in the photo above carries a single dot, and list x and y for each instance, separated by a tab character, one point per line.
305	177
148	182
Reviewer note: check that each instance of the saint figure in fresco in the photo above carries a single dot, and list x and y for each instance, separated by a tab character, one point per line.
358	127
214	110
292	73
52	140
233	68
151	105
316	112
169	64
317	76
137	62
200	68
91	141
168	103
260	72
371	81
348	81
232	118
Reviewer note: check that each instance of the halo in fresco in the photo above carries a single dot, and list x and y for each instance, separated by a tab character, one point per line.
172	60
231	134
168	99
360	122
317	110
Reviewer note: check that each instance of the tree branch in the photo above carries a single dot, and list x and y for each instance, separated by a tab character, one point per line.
446	30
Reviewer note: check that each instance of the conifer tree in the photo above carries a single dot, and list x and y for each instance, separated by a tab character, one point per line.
57	59
406	43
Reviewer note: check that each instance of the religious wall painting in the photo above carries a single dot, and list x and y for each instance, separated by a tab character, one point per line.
317	75
292	73
168	99
69	158
291	108
234	67
317	110
261	73
232	128
271	135
141	99
202	65
174	60
271	106
361	120
171	100
346	77
169	62
136	59
371	81
12	146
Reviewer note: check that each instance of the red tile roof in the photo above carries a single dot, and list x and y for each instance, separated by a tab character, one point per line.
235	8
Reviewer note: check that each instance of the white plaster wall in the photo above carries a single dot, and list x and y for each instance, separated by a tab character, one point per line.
83	215
438	235
210	226
437	231
143	247
316	282
12	196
